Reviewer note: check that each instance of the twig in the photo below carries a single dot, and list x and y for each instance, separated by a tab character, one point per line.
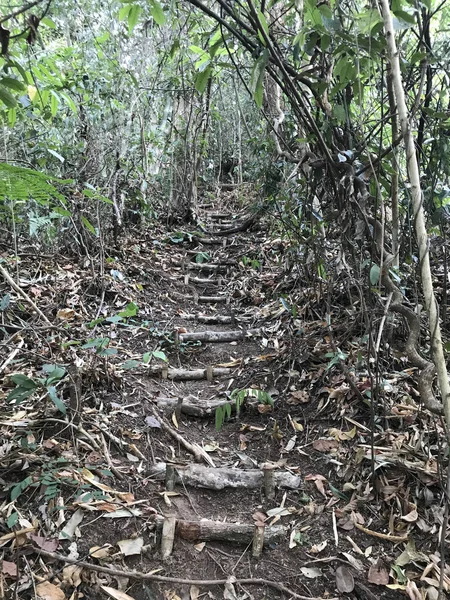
383	321
383	536
162	579
12	355
25	296
196	451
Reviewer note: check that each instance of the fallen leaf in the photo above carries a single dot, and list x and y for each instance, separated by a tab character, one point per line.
323	445
199	547
9	568
49	544
412	591
378	574
101	551
345	582
311	572
412	516
131	546
298	397
342	435
194	592
116	594
72	525
319	547
49	591
153	422
72	575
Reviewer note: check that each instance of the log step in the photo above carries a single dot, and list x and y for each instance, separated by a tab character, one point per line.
222	319
217	336
218	478
190	374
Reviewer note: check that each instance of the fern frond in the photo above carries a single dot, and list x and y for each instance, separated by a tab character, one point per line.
20	184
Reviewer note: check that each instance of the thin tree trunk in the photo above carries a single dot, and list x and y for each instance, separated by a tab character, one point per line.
419	216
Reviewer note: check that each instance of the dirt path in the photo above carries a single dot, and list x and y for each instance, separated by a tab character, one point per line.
241	495
223	463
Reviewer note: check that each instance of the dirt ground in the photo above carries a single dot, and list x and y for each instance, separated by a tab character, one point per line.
362	500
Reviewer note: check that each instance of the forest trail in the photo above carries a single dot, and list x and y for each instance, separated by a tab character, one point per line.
214	440
235	496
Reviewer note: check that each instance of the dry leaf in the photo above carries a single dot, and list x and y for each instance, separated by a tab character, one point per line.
298	397
9	568
311	572
378	574
100	551
131	546
322	445
412	591
45	543
345	582
72	575
49	591
319	547
194	592
175	420
72	525
116	594
199	547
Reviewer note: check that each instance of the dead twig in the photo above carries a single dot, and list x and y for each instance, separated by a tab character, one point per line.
162	579
25	296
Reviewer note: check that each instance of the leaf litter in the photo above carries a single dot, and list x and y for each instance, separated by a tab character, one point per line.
363	488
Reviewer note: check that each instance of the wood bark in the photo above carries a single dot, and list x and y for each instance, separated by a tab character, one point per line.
217	336
209	318
222	477
188	375
419	216
240	533
193	407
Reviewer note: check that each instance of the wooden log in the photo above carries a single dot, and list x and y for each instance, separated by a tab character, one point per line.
201	280
192	406
242	226
207	241
258	540
168	536
220	478
206	267
217	336
211	319
240	533
208	299
219	216
186	374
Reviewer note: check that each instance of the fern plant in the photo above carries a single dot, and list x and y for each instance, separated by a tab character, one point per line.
20	184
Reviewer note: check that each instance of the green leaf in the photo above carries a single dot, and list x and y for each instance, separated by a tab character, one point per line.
56	400
20	487
263	22
54	373
13	84
130	310
157	12
404	16
374	274
7	98
48	23
123	12
257	79
12	520
146	358
202	80
24	382
62	211
107	352
88	225
130	364
70	103
133	17
159	354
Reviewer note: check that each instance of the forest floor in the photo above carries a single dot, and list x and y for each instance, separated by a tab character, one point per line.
213	432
